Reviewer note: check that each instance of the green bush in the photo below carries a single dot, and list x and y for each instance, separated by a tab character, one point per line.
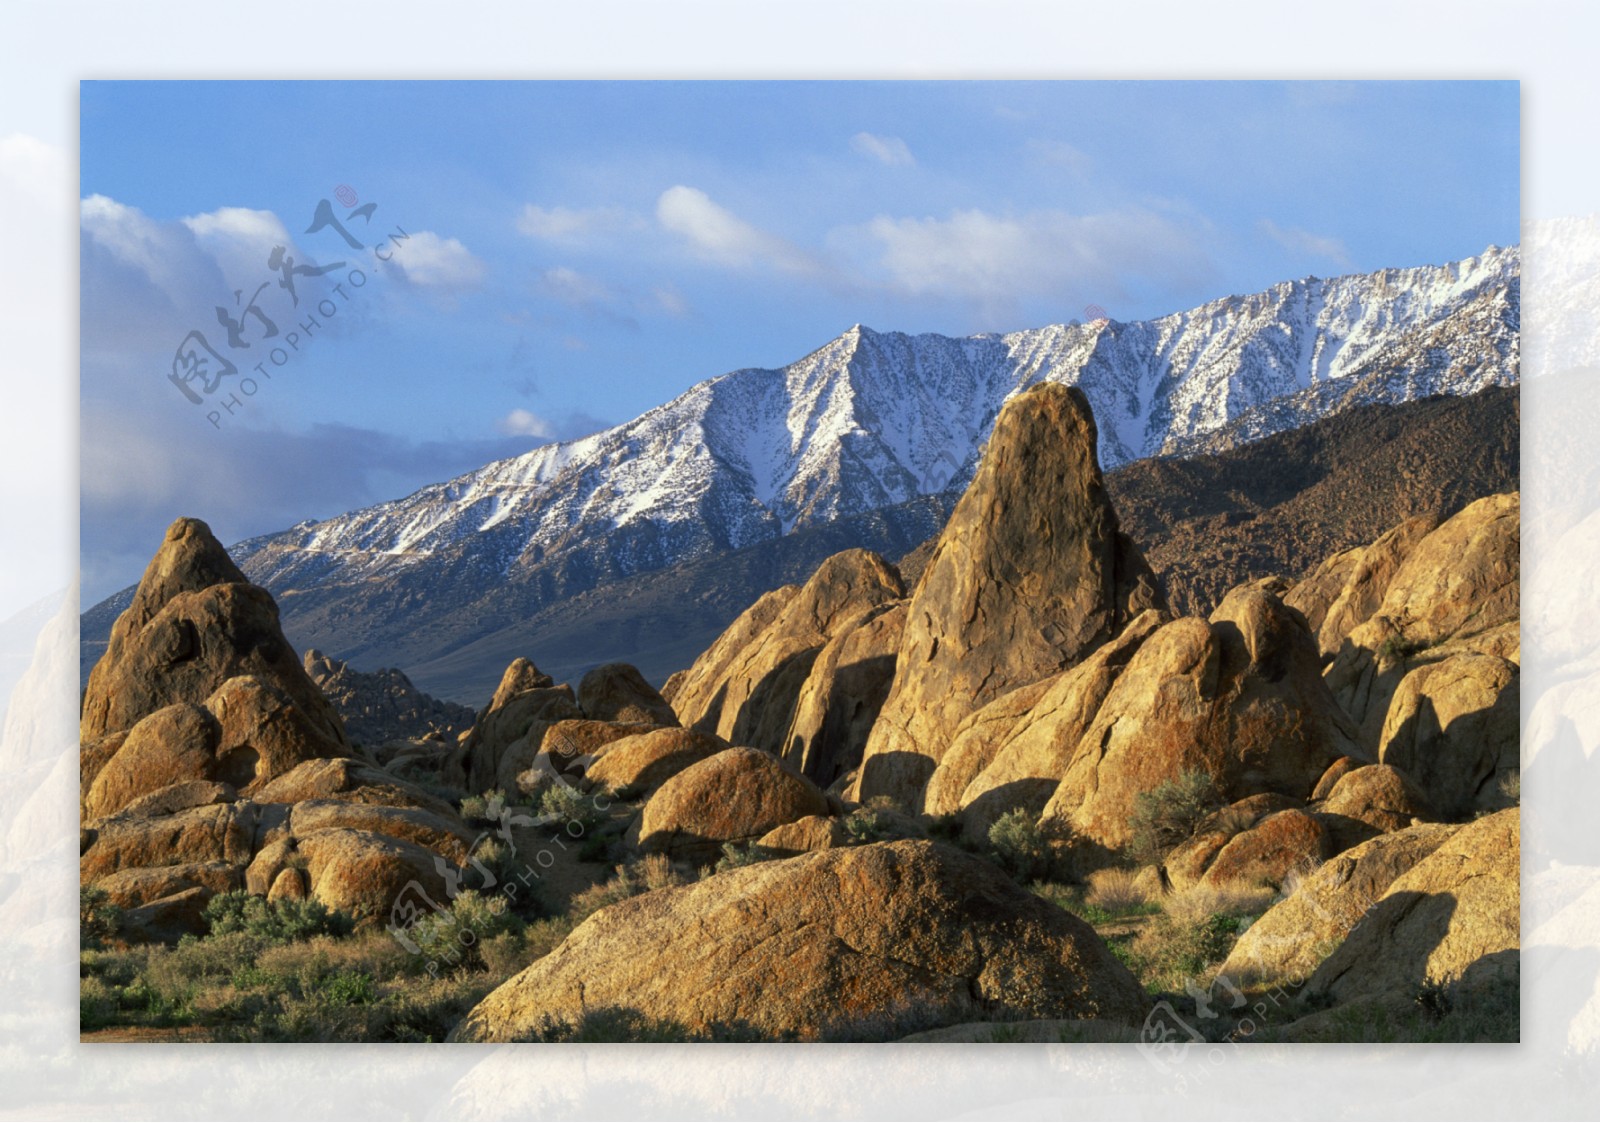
1399	647
350	988
1169	813
452	937
272	922
735	856
877	820
571	806
1019	845
98	918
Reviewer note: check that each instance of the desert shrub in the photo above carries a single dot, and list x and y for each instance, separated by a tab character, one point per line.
350	988
877	820
272	922
1018	844
1171	950
1088	905
450	939
475	809
1068	898
735	855
532	783
98	918
572	807
656	871
1168	814
1194	932
1399	647
493	862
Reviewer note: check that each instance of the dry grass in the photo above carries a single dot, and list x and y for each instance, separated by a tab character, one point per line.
1238	899
1119	892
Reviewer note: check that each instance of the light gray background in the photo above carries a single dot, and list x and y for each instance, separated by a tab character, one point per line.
45	1073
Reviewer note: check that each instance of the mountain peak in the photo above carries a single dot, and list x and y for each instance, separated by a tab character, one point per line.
871	420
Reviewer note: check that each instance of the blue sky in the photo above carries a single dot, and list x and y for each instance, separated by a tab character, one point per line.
581	252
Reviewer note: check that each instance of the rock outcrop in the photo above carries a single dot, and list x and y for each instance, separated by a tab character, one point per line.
195	622
617	692
843	694
1284	844
1190	861
1451	919
1371	800
976	742
1454	728
1029	576
1455	591
872	941
814	832
748	686
1295	935
383	705
1239	698
1368	581
645	761
738	795
247	734
1028	765
232	752
525	703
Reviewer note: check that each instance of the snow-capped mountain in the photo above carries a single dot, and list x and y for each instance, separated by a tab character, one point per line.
865	424
877	418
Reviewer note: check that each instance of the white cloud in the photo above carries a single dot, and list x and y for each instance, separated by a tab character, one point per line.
1300	241
164	254
574	226
525	423
241	240
433	262
1001	262
890	150
1059	154
575	289
720	236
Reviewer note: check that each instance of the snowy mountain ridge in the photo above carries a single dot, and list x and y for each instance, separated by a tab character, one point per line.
872	419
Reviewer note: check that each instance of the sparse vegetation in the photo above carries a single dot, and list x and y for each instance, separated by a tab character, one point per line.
735	855
572	807
877	820
1193	933
1120	893
1398	646
98	918
1018	844
1488	1012
291	971
1169	813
